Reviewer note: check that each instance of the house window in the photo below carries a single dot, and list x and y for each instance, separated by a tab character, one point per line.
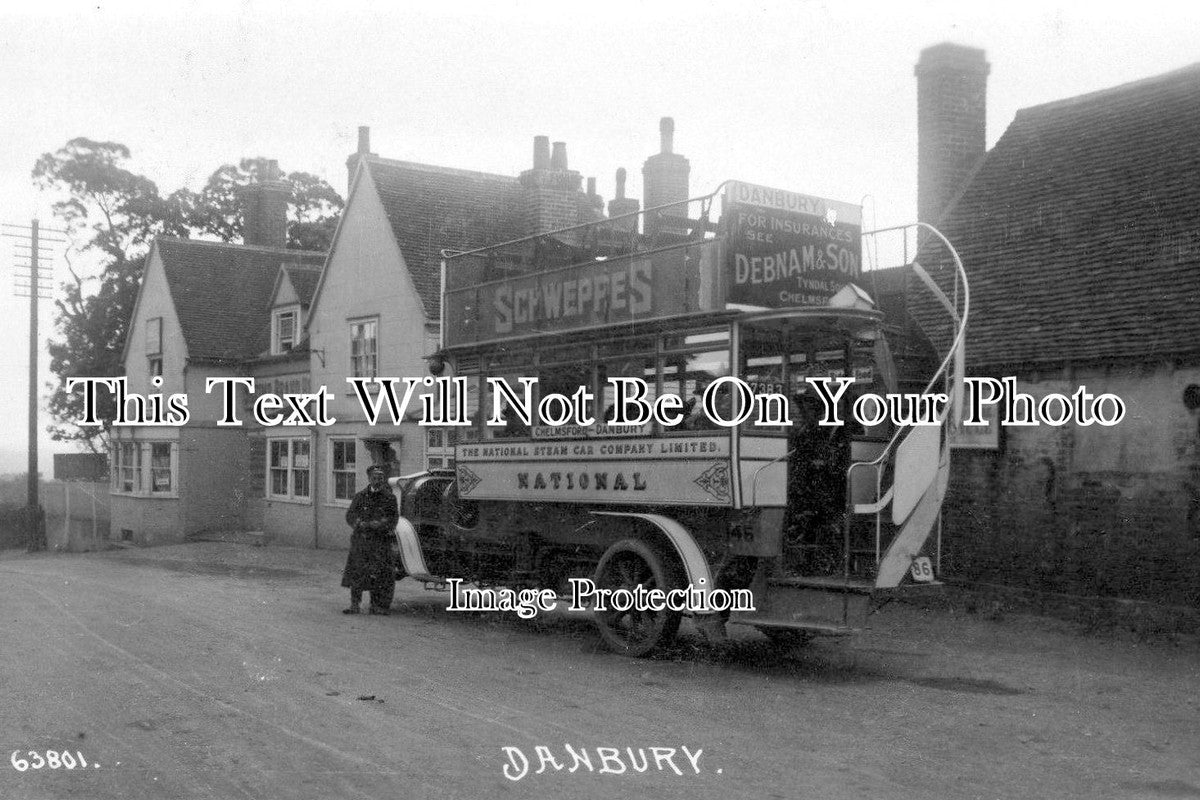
156	366
161	474
284	324
439	448
129	467
287	463
343	464
145	468
364	351
153	336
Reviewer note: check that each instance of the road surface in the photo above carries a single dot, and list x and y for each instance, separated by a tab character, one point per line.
218	670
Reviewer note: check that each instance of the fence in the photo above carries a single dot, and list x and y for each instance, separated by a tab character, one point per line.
77	515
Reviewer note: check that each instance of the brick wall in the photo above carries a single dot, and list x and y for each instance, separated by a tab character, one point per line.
1108	512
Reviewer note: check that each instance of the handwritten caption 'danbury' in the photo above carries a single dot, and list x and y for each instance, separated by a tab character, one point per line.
602	760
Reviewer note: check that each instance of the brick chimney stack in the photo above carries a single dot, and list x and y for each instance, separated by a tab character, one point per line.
541	152
265	206
558	157
364	149
623	205
552	192
590	205
665	177
951	123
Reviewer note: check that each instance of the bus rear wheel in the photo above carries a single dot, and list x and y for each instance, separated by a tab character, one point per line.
628	564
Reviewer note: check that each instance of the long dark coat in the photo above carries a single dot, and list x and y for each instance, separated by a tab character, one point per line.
370	565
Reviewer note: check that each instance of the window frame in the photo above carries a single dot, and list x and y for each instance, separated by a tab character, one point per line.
332	498
290	470
139	475
154	336
443	452
277	315
355	372
153	470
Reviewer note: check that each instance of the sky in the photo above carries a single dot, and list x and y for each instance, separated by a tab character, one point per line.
813	97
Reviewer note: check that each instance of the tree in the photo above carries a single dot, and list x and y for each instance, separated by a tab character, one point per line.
214	210
117	214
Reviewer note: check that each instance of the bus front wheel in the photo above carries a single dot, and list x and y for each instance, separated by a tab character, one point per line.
628	629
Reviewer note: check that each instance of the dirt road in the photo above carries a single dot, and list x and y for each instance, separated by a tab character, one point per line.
226	671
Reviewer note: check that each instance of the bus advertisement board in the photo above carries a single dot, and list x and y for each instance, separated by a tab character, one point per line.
620	290
788	249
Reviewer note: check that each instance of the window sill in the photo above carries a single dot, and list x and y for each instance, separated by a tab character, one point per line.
295	501
337	504
145	495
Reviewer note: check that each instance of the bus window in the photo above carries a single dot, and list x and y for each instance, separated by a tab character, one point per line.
688	375
514	426
764	374
563	370
450	403
632	366
470	433
565	380
509	363
714	338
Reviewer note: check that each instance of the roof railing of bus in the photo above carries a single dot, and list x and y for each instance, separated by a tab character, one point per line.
705	199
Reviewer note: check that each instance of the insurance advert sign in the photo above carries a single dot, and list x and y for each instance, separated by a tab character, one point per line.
788	249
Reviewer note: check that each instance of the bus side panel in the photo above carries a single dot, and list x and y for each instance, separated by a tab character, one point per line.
763	471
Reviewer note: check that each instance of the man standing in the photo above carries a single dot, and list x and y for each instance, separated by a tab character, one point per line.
369	566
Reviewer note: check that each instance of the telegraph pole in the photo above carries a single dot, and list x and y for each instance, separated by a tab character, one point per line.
39	284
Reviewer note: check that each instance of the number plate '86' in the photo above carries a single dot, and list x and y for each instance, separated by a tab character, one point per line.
922	570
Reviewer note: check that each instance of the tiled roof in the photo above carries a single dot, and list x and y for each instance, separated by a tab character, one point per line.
431	208
221	293
1080	232
304	278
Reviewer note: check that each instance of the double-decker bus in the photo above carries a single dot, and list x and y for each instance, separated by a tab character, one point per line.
742	295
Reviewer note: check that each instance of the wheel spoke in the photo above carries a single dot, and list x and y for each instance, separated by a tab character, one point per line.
635	631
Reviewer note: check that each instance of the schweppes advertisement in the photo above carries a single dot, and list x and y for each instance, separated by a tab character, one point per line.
605	291
641	472
788	249
584	295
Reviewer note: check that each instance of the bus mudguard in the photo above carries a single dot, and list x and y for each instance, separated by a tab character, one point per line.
694	563
410	549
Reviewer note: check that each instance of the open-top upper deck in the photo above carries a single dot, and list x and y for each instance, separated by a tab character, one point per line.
742	247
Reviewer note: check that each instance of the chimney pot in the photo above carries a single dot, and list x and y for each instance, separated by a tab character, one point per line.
558	159
364	140
666	130
621	205
541	152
